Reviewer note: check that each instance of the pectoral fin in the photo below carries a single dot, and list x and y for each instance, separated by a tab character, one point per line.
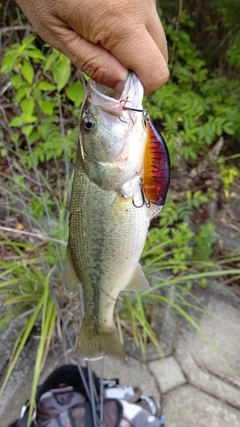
138	281
70	278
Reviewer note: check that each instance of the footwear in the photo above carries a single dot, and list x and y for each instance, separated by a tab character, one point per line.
151	404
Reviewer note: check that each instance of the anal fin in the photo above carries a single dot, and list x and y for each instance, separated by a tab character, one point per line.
138	282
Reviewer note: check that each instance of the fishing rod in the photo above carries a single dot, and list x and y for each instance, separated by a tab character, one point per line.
90	388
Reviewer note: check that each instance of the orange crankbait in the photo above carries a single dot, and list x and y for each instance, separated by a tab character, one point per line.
156	166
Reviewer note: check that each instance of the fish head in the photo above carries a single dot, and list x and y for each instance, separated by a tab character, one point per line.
108	131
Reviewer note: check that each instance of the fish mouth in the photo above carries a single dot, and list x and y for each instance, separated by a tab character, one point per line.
111	101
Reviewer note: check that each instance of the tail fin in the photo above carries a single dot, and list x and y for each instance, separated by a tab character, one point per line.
93	345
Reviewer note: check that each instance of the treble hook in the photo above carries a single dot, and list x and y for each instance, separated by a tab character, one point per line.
144	111
124	121
125	108
145	201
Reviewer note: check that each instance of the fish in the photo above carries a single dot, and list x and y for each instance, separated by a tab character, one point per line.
108	213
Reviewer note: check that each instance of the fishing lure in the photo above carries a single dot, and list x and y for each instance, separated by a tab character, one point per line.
156	166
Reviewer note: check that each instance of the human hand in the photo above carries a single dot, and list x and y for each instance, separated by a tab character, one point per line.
105	38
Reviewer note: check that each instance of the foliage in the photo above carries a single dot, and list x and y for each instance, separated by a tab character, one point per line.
27	289
25	292
194	108
182	209
204	243
39	80
214	30
175	293
37	250
174	246
44	92
228	173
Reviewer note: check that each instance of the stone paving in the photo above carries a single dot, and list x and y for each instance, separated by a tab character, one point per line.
197	382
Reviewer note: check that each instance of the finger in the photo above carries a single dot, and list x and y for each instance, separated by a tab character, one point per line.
92	59
155	29
143	51
142	55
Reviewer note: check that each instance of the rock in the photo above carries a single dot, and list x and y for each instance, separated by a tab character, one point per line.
234	206
214	366
229	239
19	385
7	340
223	328
188	407
167	373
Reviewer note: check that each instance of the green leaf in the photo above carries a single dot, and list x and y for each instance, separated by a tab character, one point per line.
75	92
27	41
20	50
27	118
86	77
50	60
22	92
3	151
33	137
37	94
15	137
26	130
9	61
27	105
16	122
28	71
62	72
36	54
46	86
47	121
17	81
228	128
47	106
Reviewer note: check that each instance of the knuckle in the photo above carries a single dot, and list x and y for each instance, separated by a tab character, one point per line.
94	70
109	36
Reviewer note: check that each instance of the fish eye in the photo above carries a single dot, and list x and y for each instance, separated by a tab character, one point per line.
88	123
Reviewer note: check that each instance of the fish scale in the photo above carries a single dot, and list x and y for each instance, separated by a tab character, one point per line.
107	231
94	255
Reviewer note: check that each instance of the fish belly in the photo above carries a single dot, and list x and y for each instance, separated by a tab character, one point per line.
106	238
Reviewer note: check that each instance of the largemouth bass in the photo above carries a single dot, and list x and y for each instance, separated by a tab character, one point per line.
109	212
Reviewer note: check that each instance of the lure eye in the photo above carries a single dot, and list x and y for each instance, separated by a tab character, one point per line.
88	124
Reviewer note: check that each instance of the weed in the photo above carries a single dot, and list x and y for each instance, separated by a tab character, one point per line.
38	80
